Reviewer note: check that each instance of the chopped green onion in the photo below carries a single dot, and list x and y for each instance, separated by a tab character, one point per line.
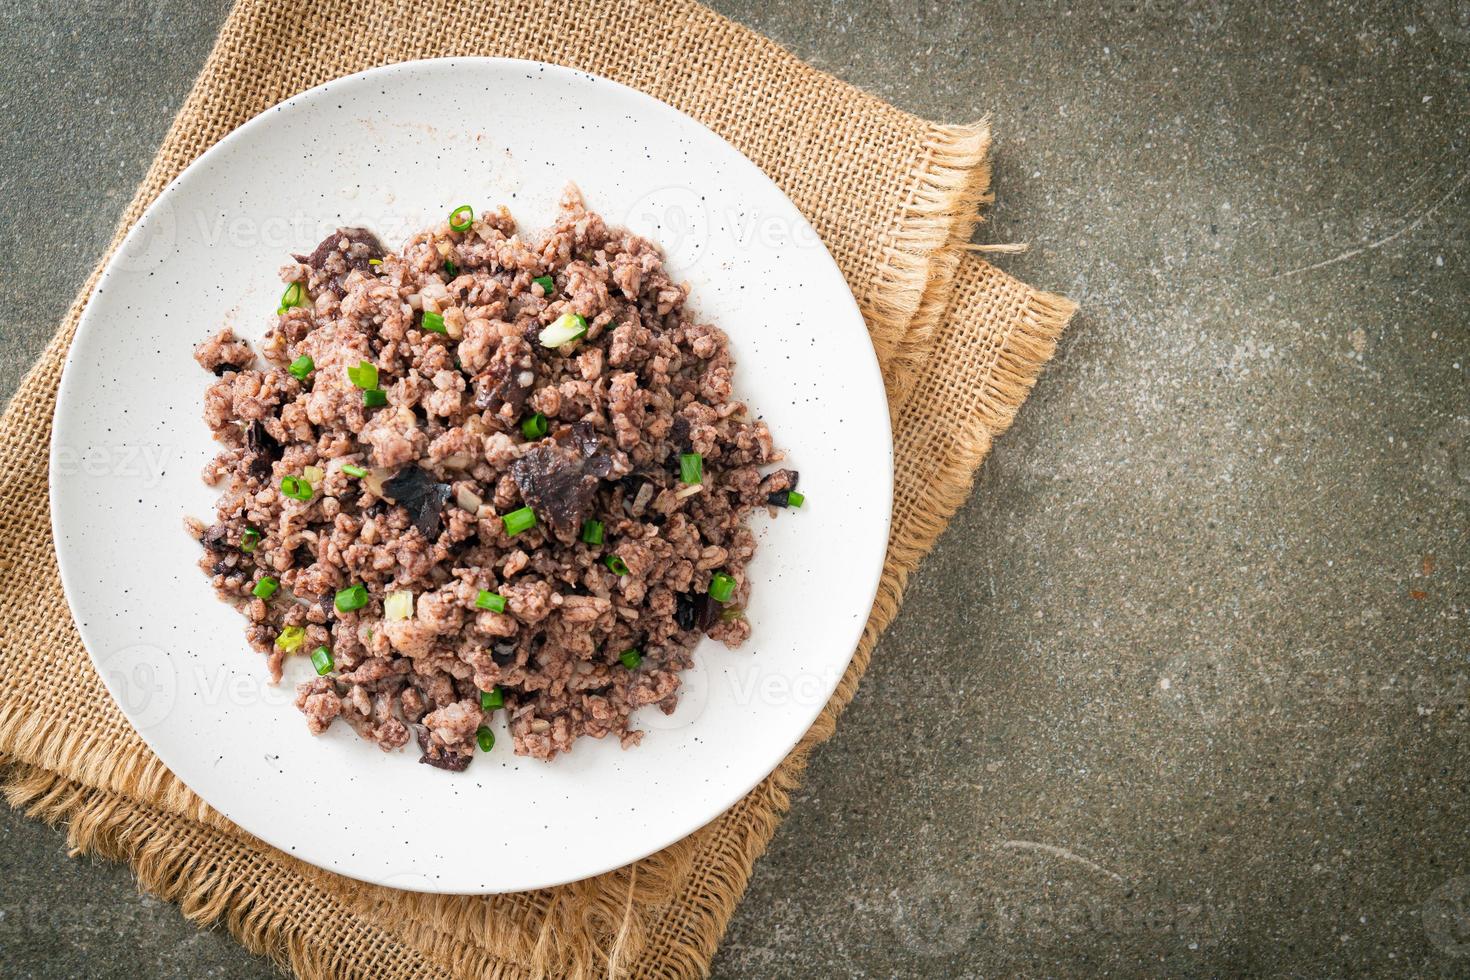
450	269
592	532
519	520
352	469
375	261
249	539
296	488
732	614
295	295
433	322
352	598
534	427
492	699
691	468
461	218
265	588
301	367
364	375
375	398
486	738
721	587
794	499
398	605
490	600
570	327
618	566
321	659
290	638
631	658
547	284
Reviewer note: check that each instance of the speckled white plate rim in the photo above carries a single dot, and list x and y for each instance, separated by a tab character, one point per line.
859	594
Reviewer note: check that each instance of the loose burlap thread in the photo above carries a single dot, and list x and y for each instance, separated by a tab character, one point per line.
894	198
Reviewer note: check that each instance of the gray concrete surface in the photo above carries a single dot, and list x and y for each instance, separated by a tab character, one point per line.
1183	690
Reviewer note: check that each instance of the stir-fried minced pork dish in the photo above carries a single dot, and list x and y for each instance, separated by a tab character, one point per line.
484	473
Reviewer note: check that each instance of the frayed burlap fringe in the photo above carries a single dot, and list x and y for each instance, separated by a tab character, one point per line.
1026	349
585	929
174	862
960	343
30	735
918	259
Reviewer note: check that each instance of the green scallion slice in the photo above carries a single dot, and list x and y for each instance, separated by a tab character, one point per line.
364	375
291	638
492	699
354	597
301	367
352	469
534	427
691	468
631	658
616	564
486	738
519	520
547	284
592	532
794	499
266	587
296	488
490	600
295	295
321	659
375	261
433	322
569	327
461	218
375	398
450	269
249	540
721	587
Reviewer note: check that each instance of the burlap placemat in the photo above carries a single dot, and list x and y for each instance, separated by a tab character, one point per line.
894	198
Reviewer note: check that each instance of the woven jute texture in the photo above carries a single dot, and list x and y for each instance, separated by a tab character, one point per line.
961	343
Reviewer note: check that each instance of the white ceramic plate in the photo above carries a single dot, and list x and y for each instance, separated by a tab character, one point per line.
395	149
